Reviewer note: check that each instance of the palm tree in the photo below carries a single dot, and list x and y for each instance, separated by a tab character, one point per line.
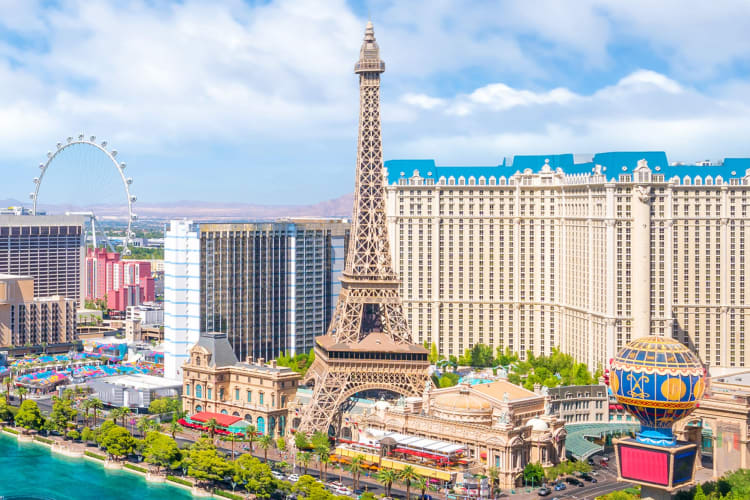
386	477
493	473
22	391
408	475
325	458
251	436
264	443
304	459
421	483
211	426
85	406
6	382
356	468
145	424
174	428
96	405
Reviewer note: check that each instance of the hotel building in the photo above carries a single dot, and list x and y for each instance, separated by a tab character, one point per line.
271	286
546	252
50	248
122	283
29	320
214	380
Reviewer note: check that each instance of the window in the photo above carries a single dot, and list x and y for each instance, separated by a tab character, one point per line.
198	391
249	396
283	401
221	394
236	394
187	389
261	398
208	392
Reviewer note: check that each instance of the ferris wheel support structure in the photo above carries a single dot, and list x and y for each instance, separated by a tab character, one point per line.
120	167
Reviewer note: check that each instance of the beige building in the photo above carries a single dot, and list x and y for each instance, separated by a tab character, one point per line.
25	319
498	424
721	424
551	252
215	381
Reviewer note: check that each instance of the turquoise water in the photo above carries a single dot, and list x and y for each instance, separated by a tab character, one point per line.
475	381
32	469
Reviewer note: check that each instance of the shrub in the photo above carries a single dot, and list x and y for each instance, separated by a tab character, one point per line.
179	480
94	455
43	440
74	435
226	494
12	431
135	468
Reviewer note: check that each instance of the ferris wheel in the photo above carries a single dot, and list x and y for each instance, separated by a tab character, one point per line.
84	154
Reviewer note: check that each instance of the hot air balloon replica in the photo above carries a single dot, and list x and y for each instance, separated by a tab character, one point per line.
659	381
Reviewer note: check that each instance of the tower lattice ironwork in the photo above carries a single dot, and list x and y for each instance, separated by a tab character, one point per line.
368	344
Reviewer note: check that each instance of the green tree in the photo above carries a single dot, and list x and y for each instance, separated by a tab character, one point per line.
87	435
448	380
161	451
118	442
6	415
73	434
304	459
22	391
301	441
421	483
254	475
699	495
251	436
493	473
356	466
408	475
434	355
308	487
205	464
146	424
264	443
212	425
7	381
281	444
533	473
386	477
62	413
96	405
320	440
29	417
324	458
174	428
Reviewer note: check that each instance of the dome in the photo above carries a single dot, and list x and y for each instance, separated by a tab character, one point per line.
537	424
462	401
659	381
382	405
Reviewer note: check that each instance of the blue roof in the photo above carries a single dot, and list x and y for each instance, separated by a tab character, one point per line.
613	163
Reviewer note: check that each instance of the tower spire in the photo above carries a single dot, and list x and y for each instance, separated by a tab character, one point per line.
368	344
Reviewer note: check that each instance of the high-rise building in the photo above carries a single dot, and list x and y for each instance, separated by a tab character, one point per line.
548	252
123	283
50	248
181	295
29	320
271	286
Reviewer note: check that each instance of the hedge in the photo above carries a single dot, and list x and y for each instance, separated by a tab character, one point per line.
93	455
135	468
226	494
178	480
12	431
43	440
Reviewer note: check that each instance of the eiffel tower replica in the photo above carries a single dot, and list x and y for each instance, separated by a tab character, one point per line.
368	344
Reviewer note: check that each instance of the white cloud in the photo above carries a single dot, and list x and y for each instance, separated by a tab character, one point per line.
422	101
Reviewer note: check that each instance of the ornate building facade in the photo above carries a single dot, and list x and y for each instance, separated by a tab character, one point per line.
547	251
215	381
499	424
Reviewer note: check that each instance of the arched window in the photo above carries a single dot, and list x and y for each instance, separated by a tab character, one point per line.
282	425
261	425
198	408
271	426
249	418
198	391
224	412
197	360
221	394
235	414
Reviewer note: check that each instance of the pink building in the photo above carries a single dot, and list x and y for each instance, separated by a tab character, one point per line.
124	282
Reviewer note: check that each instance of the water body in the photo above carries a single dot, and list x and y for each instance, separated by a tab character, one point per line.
32	470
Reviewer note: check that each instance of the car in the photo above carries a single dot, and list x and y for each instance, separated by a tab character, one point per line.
589	478
293	478
342	490
574	481
591	461
544	491
560	486
277	475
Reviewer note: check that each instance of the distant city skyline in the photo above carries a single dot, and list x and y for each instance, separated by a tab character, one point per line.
256	103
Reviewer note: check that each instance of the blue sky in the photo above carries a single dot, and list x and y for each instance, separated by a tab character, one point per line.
256	101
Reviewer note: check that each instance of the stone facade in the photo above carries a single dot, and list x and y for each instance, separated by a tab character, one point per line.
214	380
500	424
